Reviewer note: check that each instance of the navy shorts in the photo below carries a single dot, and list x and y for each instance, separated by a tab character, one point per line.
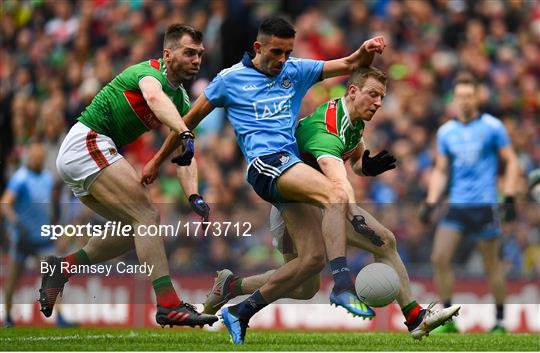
479	222
20	249
264	171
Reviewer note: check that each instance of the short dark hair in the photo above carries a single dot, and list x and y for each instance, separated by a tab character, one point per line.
176	31
276	26
360	76
465	78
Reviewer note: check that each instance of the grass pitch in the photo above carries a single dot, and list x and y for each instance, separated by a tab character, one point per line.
89	339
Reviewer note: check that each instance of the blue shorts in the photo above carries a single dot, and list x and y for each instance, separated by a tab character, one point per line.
478	222
264	171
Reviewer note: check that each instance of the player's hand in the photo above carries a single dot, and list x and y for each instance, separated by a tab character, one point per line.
509	209
376	44
426	212
372	166
187	148
199	206
150	173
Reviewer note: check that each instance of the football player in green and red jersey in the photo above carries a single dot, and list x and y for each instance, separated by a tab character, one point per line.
329	137
141	98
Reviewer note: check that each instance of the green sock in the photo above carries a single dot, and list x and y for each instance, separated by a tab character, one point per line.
411	311
235	287
165	294
77	258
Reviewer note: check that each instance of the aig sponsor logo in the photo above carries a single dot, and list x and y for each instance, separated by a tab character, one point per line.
272	108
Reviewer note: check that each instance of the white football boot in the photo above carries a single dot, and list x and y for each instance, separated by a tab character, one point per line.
432	319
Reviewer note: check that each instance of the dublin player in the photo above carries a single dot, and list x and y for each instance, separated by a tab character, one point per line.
327	139
262	95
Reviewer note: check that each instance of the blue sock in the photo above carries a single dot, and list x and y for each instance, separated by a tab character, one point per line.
251	305
341	274
499	314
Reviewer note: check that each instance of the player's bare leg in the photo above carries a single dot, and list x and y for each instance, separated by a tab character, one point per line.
386	253
489	248
103	249
305	184
15	270
310	260
419	321
119	189
444	246
304	291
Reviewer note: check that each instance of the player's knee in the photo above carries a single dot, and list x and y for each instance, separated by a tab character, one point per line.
493	271
337	197
149	215
439	259
390	244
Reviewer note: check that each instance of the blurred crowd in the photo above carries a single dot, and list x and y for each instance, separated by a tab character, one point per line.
56	55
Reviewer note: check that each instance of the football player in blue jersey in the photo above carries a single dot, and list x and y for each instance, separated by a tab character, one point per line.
27	205
262	96
468	150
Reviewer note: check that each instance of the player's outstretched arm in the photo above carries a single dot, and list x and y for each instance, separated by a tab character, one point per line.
188	177
161	105
6	207
363	57
438	179
512	170
200	109
436	187
511	176
334	170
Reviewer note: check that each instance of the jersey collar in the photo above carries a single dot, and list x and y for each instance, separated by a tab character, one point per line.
346	112
247	62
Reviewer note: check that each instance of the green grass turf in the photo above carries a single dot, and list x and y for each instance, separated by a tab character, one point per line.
86	339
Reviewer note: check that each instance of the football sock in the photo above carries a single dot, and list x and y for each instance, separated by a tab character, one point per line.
499	315
447	303
77	258
341	274
235	286
165	294
250	306
411	311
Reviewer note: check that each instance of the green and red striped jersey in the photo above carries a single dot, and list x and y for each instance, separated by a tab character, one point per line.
328	132
119	110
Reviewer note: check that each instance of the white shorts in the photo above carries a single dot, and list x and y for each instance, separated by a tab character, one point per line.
83	154
281	238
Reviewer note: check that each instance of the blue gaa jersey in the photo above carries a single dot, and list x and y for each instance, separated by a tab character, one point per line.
263	109
33	192
473	152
